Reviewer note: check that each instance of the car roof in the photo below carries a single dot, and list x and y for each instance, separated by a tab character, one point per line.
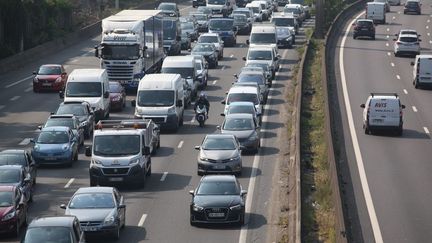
11	167
7	188
365	20
218	178
408	35
70	116
210	34
13	151
239	115
250	72
65	221
56	129
98	189
242	103
243	89
51	65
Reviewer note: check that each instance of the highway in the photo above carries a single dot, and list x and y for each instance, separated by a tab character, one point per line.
160	211
391	175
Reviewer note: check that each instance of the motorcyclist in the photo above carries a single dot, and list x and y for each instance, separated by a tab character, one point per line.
202	100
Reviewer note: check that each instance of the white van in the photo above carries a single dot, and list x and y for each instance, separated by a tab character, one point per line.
376	12
263	35
383	111
185	66
91	85
160	98
244	93
256	10
422	70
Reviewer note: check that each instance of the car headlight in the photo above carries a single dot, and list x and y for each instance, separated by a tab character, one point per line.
9	216
134	162
66	147
96	162
109	220
204	159
235	158
236	207
253	137
197	208
171	110
116	98
84	123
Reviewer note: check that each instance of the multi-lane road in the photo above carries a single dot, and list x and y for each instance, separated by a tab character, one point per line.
391	175
160	211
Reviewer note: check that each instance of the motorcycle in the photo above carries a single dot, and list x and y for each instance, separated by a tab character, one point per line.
201	114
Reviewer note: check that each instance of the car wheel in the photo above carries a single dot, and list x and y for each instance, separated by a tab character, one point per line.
354	37
192	223
116	233
158	144
396	54
26	219
93	181
416	84
239	173
76	156
149	172
366	130
200	173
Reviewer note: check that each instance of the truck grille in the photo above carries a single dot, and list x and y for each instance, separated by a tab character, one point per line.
119	72
90	223
115	171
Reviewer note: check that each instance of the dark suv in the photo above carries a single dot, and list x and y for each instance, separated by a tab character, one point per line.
54	229
364	27
412	6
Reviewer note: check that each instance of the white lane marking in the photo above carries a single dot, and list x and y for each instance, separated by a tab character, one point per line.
428	34
387	36
397	76
223	67
164	176
193	119
430	42
388	54
387	44
232	55
214	82
388	29
15	98
363	178
2	106
25	141
426	130
405	91
141	222
19	81
28	89
392	64
428	20
69	183
394	17
427	26
180	144
414	108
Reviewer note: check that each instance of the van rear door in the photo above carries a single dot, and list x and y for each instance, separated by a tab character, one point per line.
384	112
424	69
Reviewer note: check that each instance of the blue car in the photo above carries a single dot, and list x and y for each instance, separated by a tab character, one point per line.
55	145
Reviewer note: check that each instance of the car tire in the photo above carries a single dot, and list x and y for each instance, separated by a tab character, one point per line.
199	173
75	158
396	54
366	130
242	219
416	84
399	131
192	223
238	173
17	229
149	172
142	183
31	197
116	233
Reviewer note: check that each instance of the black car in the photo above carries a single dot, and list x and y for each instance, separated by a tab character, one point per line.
364	27
16	175
218	199
196	3
83	111
209	51
169	9
412	6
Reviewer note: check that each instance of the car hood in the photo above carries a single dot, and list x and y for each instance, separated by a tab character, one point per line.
115	161
51	148
239	134
93	101
48	77
204	53
217	200
93	214
150	111
5	210
268	62
218	154
214	6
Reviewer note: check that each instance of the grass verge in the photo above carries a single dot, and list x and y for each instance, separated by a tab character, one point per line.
318	217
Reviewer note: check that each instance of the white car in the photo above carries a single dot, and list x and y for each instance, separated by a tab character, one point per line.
215	39
408	44
244	93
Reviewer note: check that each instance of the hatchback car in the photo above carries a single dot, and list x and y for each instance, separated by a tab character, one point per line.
82	110
406	44
364	27
214	39
408	32
190	30
266	55
219	153
412	6
218	199
245	128
242	23
19	157
13	210
169	9
51	77
55	145
15	175
247	91
70	121
99	210
117	96
264	67
208	51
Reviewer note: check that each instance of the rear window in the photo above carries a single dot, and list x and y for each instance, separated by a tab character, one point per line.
408	39
384	105
364	23
412	4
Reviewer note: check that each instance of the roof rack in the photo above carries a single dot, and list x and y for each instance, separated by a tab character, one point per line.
383	93
122	124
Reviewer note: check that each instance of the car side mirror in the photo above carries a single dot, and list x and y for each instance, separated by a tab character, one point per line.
63	206
419	40
27	180
96	47
61	94
247	42
191	192
362	106
223	102
106	94
40	127
242	147
32	140
222	114
197	147
133	103
121	206
403	106
218	127
34	72
179	103
243	192
235	76
88	151
146	150
244	58
412	63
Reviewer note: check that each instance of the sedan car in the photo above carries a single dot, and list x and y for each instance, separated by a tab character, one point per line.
202	21
245	128
364	27
190	29
215	39
51	77
15	175
70	121
20	157
407	44
201	67
13	210
255	77
412	6
218	199
219	153
82	110
169	9
55	145
99	210
242	23
208	51
117	96
243	107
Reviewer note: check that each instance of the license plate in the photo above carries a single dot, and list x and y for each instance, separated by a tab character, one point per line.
46	84
216	215
90	229
116	179
425	78
219	167
377	120
50	158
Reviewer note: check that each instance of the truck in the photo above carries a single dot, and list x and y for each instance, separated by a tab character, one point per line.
376	12
131	46
121	151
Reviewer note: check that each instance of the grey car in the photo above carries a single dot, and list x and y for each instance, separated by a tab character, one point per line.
219	153
245	128
66	120
255	77
208	51
99	210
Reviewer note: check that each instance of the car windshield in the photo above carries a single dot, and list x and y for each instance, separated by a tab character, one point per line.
54	122
74	109
116	145
263	38
92	200
239	109
53	137
260	55
292	10
408	39
6	199
83	89
216	2
48	234
9	176
218	188
115	87
185	72
164	6
233	97
120	52
240	19
202	48
283	21
219	144
259	79
49	70
155	98
13	159
221	24
169	30
238	124
208	39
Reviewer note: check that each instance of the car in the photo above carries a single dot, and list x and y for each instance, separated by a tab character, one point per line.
266	69
407	32
202	21
297	11
257	11
82	110
196	3
169	9
20	157
215	39
189	19
13	210
246	11
286	20
406	44
218	199
201	67
364	27
186	42
205	10
264	54
225	28
266	13
70	121
412	6
59	229
421	74
248	91
243	107
55	145
254	77
117	96
246	129
100	210
208	51
383	111
219	153
242	24
285	38
190	30
16	175
50	77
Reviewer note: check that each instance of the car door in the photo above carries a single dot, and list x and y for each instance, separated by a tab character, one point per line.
26	186
20	205
31	165
119	201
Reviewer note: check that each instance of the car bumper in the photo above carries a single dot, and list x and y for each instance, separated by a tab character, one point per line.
218	167
8	225
284	42
134	175
364	33
54	159
250	144
116	105
407	51
231	216
48	86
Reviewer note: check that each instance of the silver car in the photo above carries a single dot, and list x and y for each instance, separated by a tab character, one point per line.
219	153
245	128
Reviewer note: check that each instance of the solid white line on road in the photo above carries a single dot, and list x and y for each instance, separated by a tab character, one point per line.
214	82
19	81
387	44
394	17
15	98
388	54
180	144
392	64
405	91
28	89
397	76
388	29
25	141
360	165
69	183
164	176
426	130
2	106
430	42
232	55
141	222
399	12
414	109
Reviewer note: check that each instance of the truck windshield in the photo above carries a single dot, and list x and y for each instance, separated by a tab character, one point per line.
263	38
186	72
216	2
292	10
169	30
83	89
155	98
116	145
221	24
120	52
283	21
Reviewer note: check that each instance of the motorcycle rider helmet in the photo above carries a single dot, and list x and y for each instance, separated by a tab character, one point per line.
202	95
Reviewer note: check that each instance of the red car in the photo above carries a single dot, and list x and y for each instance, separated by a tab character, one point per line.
50	77
13	210
117	96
